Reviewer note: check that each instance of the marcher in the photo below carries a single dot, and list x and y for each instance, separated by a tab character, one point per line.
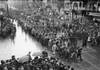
30	58
54	48
79	53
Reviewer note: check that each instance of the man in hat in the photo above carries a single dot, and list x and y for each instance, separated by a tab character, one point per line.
30	58
79	53
2	65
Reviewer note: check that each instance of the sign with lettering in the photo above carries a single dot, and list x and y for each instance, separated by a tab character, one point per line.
68	6
94	14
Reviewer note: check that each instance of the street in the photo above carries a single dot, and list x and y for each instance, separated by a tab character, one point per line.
23	43
30	37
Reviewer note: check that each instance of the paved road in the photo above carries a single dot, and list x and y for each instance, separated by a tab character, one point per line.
91	59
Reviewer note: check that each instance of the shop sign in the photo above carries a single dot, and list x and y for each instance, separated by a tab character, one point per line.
94	14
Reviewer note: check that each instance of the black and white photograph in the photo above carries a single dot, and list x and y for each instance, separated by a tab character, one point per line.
49	34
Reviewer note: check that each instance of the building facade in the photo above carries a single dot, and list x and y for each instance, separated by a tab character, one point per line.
68	10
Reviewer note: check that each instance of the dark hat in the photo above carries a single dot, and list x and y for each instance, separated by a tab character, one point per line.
2	62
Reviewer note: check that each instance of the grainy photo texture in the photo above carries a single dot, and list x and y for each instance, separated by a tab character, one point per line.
49	34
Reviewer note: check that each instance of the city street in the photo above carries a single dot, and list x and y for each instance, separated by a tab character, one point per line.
23	43
91	59
63	29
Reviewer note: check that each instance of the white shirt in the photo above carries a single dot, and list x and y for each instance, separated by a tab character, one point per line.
54	47
66	43
89	38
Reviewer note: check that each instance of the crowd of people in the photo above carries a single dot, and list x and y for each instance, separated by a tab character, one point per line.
38	63
60	37
7	28
57	35
59	41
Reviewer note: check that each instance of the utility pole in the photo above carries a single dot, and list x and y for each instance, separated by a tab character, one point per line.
5	2
7	8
